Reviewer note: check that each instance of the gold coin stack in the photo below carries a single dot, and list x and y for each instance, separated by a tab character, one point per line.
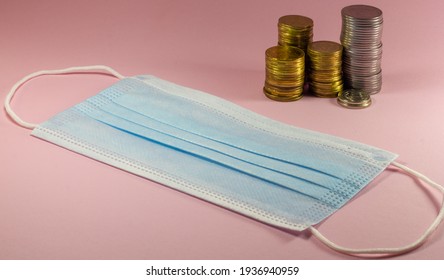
284	73
325	68
295	31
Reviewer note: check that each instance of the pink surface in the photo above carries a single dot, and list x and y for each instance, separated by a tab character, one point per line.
55	204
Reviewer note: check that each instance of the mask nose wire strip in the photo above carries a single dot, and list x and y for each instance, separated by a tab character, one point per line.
10	95
391	251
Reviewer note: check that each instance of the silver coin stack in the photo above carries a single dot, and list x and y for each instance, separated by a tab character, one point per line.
361	38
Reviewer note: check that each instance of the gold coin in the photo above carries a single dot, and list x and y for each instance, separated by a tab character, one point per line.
326	85
325	48
325	68
284	73
283	93
326	95
284	96
284	53
295	30
296	21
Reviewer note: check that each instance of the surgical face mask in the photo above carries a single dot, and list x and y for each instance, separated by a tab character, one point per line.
207	147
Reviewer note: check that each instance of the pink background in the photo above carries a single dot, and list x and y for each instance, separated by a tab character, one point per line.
55	204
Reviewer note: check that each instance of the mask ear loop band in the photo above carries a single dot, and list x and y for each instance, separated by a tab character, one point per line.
14	88
391	251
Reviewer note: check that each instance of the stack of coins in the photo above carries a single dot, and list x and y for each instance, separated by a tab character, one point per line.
361	37
295	31
284	73
325	74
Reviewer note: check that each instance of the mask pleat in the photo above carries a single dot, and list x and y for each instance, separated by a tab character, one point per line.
193	117
279	179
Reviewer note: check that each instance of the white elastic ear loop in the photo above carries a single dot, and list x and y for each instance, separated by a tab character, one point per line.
391	251
14	88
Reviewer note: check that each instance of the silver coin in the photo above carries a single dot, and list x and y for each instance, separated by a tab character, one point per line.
362	13
354	98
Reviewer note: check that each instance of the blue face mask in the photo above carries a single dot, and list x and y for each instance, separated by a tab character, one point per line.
212	149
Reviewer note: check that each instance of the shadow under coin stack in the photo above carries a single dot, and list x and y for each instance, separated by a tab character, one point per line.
325	74
361	37
284	73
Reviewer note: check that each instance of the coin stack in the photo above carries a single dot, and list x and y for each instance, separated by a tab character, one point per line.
361	37
284	73
325	74
295	31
